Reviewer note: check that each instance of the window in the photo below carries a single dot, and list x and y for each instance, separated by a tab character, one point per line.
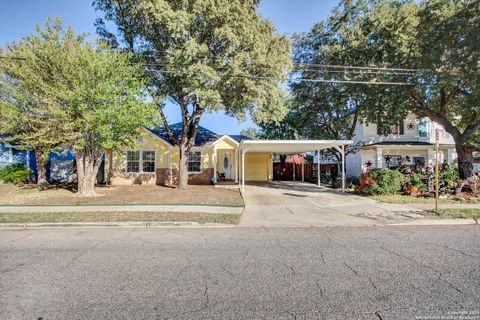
195	161
133	161
393	161
419	161
148	161
140	161
422	127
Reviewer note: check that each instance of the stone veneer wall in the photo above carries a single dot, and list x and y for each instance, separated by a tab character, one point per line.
204	177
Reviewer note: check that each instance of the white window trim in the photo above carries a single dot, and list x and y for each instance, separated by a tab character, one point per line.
141	161
201	162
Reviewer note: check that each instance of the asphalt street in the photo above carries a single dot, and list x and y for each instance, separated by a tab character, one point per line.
241	273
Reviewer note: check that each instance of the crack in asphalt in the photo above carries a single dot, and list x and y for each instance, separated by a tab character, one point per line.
357	274
378	315
453	249
440	274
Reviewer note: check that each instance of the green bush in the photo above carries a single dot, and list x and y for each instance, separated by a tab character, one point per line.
15	173
448	175
387	182
350	182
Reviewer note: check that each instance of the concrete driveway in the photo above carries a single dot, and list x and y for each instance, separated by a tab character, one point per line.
288	203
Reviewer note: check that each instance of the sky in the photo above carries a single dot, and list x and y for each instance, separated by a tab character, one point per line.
19	18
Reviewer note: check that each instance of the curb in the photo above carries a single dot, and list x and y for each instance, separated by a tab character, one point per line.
122	208
142	225
196	225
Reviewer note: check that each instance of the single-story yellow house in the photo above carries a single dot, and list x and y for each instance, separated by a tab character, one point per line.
215	157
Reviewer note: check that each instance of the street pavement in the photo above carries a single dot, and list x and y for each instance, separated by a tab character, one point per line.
240	273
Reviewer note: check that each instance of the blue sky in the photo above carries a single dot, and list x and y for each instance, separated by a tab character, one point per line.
19	17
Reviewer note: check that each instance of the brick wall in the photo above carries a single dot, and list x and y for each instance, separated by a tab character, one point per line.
163	177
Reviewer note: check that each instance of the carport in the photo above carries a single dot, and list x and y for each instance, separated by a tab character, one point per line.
290	147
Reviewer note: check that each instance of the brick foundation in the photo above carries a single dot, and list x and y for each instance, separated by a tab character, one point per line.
163	177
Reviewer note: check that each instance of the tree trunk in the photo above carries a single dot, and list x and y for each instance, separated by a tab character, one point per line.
87	169
42	182
465	161
183	167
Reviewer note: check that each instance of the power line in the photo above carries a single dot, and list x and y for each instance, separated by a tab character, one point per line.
302	79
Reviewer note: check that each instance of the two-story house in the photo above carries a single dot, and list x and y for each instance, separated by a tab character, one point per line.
410	142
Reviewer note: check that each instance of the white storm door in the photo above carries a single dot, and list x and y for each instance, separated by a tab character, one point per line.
226	165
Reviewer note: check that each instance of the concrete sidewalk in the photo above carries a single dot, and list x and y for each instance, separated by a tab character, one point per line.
122	208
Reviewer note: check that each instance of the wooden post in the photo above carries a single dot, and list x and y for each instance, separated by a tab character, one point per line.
436	168
343	168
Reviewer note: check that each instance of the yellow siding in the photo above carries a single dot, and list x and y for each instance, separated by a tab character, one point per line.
207	161
226	144
258	167
149	143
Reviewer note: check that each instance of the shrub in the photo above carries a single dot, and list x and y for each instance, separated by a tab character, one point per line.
350	182
386	182
15	173
448	175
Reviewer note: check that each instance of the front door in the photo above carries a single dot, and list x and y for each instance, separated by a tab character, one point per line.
226	165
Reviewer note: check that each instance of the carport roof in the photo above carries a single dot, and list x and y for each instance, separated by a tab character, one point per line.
290	146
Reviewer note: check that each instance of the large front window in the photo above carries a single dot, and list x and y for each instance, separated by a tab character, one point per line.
195	161
140	161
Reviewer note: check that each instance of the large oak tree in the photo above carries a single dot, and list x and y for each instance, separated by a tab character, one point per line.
438	41
203	55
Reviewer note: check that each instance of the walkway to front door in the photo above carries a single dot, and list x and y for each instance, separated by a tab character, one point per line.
288	203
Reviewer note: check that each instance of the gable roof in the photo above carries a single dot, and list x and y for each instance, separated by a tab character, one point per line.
239	137
204	136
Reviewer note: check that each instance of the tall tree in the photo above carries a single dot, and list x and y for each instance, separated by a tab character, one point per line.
204	56
28	114
436	40
100	95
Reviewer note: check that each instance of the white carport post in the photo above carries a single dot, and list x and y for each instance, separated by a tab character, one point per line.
318	168
343	168
243	171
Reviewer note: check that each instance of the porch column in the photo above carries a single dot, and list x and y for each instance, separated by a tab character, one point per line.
214	164
343	168
169	163
378	158
431	157
303	171
318	168
449	155
236	166
243	171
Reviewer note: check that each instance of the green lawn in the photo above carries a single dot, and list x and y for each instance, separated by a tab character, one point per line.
401	199
119	217
459	213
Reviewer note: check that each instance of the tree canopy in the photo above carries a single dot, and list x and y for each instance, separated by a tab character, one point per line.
96	96
204	55
427	52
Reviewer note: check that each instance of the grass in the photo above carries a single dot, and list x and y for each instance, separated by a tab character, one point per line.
67	217
402	199
459	213
122	195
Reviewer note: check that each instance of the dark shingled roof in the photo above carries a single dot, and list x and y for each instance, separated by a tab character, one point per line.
238	137
204	136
